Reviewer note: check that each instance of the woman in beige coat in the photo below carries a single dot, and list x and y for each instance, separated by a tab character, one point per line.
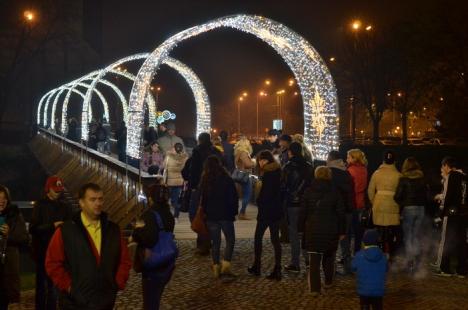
175	161
385	211
244	162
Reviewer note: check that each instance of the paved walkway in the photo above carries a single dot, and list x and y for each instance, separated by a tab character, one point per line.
192	286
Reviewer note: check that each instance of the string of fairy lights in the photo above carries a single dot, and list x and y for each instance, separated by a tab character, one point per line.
321	121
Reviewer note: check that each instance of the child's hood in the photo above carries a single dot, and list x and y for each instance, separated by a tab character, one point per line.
373	254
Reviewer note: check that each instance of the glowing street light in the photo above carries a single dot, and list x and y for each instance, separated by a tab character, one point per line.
29	15
291	82
332	59
267	82
356	25
369	28
399	94
244	94
260	94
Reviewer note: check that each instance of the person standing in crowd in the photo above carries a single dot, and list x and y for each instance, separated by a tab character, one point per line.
284	142
217	143
146	235
13	234
371	267
108	129
121	136
385	211
92	135
72	126
167	141
297	175
153	159
454	211
305	151
411	196
101	137
199	154
324	227
162	130
48	214
175	161
342	181
270	213
357	168
219	201
149	135
87	258
228	148
271	143
244	163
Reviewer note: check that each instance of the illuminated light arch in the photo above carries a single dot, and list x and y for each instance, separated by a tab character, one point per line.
313	77
196	85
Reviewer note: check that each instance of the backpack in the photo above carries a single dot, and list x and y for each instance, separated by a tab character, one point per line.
164	252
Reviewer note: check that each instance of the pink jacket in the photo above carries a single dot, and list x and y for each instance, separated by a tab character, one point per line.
359	176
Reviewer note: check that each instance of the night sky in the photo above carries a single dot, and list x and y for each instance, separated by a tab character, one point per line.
228	61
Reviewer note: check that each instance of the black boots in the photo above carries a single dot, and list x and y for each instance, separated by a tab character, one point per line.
275	274
254	270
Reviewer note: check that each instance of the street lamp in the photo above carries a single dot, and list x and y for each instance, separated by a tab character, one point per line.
332	59
29	15
260	94
267	82
369	28
238	113
356	25
291	82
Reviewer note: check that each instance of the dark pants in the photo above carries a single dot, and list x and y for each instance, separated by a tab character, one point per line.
345	244
370	302
327	260
390	238
358	230
454	245
203	242
215	228
294	238
46	293
274	237
153	288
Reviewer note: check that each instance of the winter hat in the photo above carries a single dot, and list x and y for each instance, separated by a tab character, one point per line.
371	237
55	183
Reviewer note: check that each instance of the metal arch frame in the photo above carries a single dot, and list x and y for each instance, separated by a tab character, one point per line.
321	121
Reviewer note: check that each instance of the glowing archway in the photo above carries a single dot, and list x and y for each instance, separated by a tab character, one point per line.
196	85
315	81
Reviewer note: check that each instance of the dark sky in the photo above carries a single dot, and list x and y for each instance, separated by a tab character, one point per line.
228	61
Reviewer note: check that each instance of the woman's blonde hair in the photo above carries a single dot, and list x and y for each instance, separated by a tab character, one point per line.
323	173
410	164
358	156
298	138
243	145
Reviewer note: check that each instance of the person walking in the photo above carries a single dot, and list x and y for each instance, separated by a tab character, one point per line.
219	201
342	181
324	227
175	161
48	214
13	234
357	168
270	213
297	175
121	136
146	235
371	267
87	258
385	210
244	163
411	195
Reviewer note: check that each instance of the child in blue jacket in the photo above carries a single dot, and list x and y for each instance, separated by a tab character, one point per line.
371	267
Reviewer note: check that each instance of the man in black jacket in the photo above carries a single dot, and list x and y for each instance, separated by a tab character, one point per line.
297	175
454	208
228	151
199	154
48	214
341	180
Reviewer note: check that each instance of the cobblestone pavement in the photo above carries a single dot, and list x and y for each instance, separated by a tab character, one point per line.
192	287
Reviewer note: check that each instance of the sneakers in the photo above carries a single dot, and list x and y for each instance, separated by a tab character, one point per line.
442	274
292	268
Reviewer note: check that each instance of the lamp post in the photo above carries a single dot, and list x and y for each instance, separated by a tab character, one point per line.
260	94
238	113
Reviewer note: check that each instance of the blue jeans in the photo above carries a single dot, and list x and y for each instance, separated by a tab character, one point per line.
246	193
215	228
413	217
175	193
294	238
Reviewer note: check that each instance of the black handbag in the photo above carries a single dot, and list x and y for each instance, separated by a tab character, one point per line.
184	199
366	219
240	176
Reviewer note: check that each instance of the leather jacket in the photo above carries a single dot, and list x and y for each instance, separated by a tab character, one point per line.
297	176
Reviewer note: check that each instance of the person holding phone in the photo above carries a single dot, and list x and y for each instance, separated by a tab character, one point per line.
13	234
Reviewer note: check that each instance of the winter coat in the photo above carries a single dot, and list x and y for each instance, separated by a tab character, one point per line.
296	177
220	201
358	174
283	157
174	164
371	267
167	142
382	188
228	155
412	190
342	181
199	154
243	161
17	236
325	217
455	200
269	198
152	159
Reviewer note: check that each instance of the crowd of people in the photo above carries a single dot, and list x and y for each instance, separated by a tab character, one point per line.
82	260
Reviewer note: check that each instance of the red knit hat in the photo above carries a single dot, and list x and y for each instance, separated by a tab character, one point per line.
55	183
